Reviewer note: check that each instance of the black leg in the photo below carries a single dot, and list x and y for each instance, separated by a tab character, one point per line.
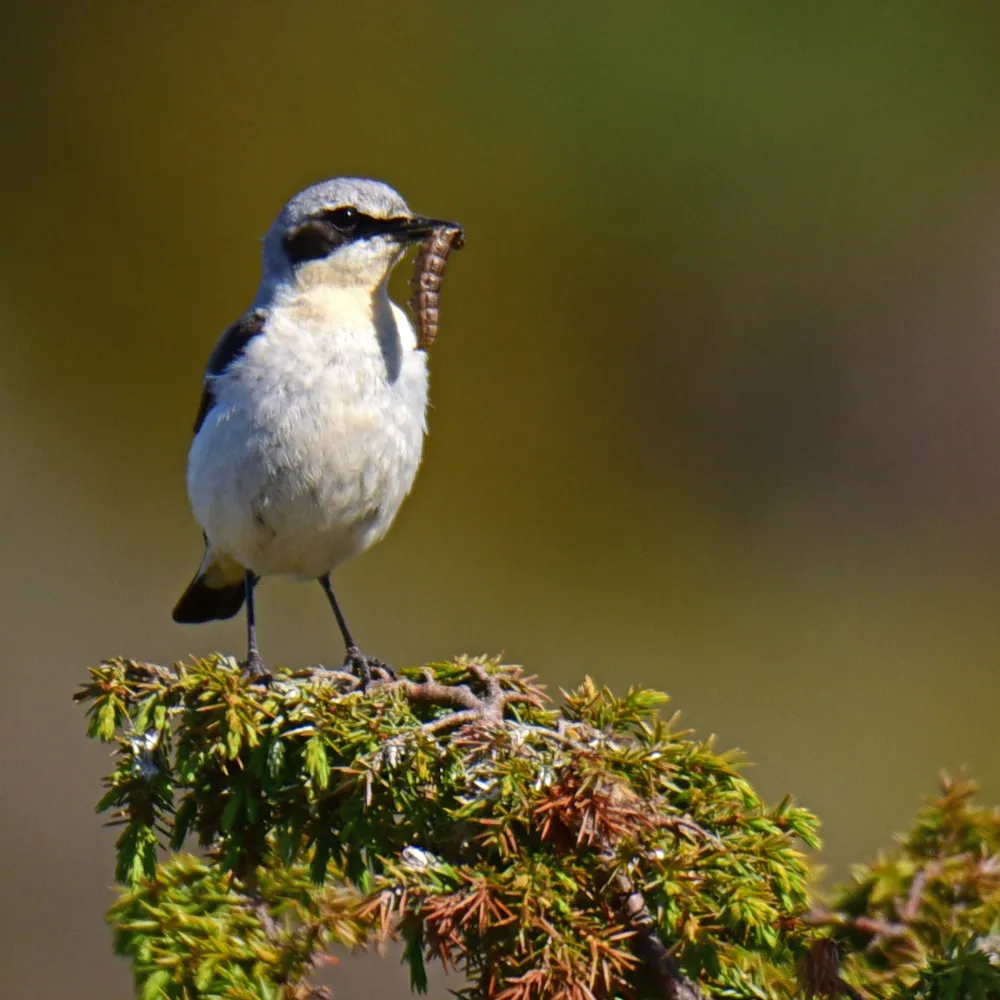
355	660
254	667
324	582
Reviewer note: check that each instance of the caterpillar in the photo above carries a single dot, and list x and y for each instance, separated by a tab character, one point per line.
428	272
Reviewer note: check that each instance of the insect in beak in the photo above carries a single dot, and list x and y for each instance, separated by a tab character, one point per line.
428	272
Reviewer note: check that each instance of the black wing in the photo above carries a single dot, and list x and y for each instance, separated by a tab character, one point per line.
230	346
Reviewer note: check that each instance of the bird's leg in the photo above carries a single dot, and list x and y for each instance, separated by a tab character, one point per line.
253	668
355	661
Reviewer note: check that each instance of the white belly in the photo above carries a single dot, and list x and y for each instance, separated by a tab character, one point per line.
305	460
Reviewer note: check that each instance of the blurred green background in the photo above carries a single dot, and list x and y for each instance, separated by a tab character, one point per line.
715	391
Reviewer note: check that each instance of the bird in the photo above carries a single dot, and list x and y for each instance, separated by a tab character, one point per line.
312	418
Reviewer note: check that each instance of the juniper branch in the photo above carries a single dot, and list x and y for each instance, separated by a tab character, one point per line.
663	968
583	852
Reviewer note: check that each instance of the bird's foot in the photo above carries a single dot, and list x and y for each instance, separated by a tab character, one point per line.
366	668
254	670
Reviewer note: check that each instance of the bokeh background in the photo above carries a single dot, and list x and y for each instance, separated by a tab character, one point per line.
715	392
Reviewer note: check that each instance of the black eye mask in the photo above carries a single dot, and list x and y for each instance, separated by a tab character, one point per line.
322	233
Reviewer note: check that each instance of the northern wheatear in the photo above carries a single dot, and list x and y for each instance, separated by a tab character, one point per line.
312	417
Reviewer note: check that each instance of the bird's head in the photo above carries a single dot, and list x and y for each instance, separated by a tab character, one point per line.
348	231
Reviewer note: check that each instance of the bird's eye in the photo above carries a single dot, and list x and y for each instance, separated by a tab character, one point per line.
345	219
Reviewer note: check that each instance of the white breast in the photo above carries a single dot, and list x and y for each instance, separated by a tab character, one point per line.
315	437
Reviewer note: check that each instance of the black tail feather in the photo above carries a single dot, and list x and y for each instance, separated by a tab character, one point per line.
201	603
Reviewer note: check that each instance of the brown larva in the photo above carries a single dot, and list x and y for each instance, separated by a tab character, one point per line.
428	270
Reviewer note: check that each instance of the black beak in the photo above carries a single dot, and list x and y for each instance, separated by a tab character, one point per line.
417	227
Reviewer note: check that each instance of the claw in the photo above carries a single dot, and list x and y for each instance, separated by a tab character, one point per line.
254	670
365	667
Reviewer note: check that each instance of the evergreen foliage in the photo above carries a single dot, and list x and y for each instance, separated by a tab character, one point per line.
588	851
923	921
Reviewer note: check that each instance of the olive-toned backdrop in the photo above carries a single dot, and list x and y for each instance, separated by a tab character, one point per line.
715	391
